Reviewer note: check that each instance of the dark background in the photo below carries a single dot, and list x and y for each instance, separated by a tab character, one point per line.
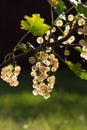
12	12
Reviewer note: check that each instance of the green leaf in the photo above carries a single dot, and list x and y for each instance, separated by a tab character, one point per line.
84	75
79	49
23	47
82	10
60	8
35	25
80	7
76	68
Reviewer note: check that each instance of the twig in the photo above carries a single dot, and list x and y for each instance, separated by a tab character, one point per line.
39	48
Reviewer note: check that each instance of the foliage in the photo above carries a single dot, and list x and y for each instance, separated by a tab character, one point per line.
34	24
23	47
60	8
82	10
76	68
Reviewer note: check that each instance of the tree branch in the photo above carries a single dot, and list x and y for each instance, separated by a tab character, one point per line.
42	47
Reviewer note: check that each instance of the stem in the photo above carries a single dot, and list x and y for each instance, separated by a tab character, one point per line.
69	9
8	56
39	48
60	57
21	40
52	17
61	30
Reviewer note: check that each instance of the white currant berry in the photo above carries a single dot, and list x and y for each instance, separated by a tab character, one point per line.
32	60
59	23
81	22
40	40
70	17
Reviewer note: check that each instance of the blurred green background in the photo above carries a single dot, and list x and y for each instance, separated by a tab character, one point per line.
65	110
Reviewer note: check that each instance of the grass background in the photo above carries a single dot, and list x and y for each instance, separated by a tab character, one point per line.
65	110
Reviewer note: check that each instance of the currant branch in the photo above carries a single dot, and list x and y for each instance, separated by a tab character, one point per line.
42	47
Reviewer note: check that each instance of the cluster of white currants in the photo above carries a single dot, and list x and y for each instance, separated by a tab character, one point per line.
59	23
43	73
71	18
84	52
41	40
83	29
44	67
83	43
10	73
